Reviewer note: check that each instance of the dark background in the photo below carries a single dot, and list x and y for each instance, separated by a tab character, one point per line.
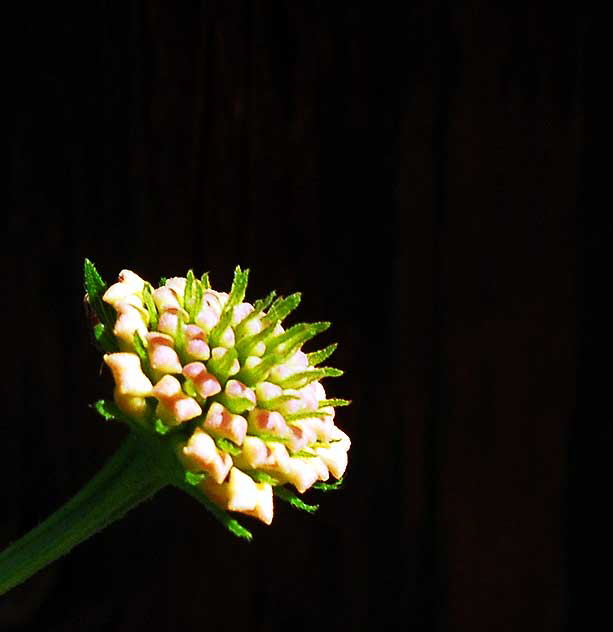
428	177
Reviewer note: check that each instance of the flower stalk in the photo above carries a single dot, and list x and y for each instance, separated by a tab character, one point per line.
131	476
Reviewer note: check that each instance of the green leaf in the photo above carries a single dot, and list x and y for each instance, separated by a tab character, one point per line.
194	478
329	487
162	281
316	357
288	496
227	446
282	307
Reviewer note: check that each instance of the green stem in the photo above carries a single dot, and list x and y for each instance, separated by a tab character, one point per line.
132	475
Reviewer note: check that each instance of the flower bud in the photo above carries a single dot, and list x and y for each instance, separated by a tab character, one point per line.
174	406
221	421
202	455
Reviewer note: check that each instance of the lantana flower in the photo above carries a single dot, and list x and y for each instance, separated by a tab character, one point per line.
221	402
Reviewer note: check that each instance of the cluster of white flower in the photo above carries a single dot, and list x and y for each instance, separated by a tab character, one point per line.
256	415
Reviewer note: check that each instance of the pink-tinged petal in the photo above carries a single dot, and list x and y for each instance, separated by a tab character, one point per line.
301	437
257	454
292	406
205	383
132	406
162	356
265	391
322	427
165	299
196	345
177	285
320	391
169	321
201	454
130	319
236	389
240	312
128	374
301	474
174	406
335	458
128	285
309	396
238	493
253	454
219	420
207	318
263	421
264	508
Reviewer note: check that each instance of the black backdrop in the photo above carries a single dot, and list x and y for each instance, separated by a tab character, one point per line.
427	177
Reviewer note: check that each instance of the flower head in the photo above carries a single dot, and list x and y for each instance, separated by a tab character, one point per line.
225	385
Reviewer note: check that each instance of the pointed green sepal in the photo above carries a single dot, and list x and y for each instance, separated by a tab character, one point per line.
275	402
95	288
259	476
105	339
222	367
316	357
141	350
225	445
288	496
302	378
150	305
108	410
259	306
329	487
306	414
189	293
334	402
194	478
258	373
286	344
282	307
